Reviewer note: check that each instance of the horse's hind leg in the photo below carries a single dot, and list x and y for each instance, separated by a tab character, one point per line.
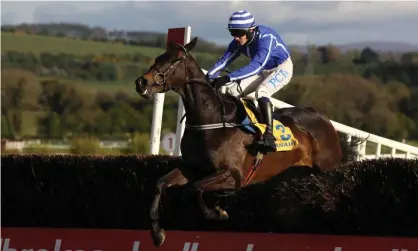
175	177
218	181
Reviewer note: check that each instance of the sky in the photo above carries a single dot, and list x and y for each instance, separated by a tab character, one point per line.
298	22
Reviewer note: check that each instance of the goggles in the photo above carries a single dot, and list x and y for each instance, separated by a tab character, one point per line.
237	33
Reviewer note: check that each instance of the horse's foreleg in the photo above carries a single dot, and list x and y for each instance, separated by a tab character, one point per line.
175	177
218	181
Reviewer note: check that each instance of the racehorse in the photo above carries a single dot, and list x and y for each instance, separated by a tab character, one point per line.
220	128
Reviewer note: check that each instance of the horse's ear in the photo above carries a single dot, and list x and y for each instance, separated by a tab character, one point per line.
170	45
191	44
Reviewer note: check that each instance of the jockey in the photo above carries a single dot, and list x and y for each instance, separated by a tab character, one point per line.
270	69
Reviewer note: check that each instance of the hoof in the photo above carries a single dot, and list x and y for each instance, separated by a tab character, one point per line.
222	214
158	238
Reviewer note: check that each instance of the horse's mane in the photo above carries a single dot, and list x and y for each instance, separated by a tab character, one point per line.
226	99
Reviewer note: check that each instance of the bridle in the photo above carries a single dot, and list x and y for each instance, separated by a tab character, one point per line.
160	78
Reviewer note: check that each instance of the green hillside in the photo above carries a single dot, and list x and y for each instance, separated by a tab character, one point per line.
77	47
39	43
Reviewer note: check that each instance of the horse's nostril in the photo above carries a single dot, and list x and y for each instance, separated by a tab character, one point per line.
143	81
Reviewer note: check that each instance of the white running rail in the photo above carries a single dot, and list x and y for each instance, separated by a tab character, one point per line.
408	150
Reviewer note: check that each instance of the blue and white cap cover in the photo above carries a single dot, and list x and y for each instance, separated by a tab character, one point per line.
241	19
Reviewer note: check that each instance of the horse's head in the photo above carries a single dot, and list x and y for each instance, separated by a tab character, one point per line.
169	70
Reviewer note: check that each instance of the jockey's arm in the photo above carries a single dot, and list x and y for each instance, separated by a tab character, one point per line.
229	56
265	46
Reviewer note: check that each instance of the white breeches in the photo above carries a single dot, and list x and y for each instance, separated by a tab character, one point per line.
266	83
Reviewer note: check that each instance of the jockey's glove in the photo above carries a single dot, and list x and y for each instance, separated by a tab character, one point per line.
219	82
208	77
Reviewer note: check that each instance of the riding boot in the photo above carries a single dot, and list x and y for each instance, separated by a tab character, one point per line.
268	143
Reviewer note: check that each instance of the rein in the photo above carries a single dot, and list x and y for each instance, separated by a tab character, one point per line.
160	79
223	123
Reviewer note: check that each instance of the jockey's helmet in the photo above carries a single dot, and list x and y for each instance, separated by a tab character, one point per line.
241	20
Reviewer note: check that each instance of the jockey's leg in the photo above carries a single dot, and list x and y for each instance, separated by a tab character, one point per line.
275	81
246	86
268	143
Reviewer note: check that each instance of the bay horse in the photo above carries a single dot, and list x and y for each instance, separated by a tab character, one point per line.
216	143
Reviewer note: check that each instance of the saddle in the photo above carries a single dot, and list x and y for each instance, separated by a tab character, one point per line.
285	140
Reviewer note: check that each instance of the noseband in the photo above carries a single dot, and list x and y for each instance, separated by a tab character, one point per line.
161	77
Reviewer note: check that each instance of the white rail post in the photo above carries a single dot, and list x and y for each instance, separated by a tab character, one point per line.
180	109
349	139
393	152
157	117
362	150
378	150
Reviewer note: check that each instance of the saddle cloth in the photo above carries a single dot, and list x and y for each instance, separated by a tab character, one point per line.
285	140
